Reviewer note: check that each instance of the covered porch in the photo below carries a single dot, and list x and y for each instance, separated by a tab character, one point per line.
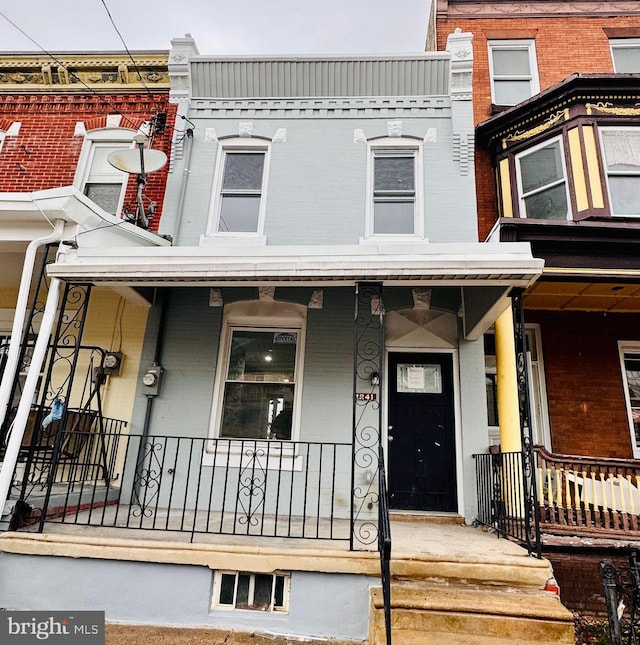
320	478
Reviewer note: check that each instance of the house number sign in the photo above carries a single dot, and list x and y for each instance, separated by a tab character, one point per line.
366	396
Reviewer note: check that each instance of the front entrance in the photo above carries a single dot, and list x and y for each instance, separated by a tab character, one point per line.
422	452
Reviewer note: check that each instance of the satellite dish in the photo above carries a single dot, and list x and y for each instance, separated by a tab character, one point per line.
128	160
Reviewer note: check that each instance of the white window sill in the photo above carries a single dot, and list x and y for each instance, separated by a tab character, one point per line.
262	455
385	239
247	239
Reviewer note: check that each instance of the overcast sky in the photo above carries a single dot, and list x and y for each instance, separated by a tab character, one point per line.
231	27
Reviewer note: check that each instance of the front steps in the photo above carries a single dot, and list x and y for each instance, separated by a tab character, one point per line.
460	613
469	591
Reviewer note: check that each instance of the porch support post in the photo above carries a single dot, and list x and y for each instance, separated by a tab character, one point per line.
507	381
368	370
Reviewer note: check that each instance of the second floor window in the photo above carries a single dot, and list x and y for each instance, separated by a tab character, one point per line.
621	149
513	71
394	192
626	55
239	188
542	185
105	184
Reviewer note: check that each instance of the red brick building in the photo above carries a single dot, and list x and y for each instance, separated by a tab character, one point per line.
556	95
61	117
51	110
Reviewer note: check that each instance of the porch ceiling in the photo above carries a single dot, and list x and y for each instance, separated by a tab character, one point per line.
583	296
440	264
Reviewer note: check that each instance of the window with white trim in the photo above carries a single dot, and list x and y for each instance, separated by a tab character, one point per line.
239	188
625	53
630	364
621	153
95	176
260	383
537	388
513	70
542	182
254	591
395	189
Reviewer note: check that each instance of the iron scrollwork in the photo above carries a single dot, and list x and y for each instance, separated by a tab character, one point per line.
367	435
252	481
622	597
146	484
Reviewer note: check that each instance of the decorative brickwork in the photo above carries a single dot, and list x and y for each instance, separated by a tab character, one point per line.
45	152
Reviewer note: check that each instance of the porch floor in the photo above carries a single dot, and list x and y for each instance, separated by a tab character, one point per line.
423	546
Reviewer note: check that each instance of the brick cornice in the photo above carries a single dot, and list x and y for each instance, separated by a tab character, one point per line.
541	8
56	103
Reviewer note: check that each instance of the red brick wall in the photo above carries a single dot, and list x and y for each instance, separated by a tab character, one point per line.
585	392
578	575
45	153
564	46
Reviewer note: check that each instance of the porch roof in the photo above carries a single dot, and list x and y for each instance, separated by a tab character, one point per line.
473	264
28	215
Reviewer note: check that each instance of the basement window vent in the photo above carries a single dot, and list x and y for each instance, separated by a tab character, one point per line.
253	591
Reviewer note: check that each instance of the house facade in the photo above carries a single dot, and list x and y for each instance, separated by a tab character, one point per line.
556	159
316	323
61	116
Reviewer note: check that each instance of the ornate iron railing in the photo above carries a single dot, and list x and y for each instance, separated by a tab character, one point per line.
502	499
384	544
588	495
622	597
221	486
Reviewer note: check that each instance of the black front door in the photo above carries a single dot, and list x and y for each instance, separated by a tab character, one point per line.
422	452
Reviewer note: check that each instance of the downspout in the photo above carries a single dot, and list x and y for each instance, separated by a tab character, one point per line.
30	386
157	358
183	185
20	314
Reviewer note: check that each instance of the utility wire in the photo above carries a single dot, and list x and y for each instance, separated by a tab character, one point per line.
135	64
72	75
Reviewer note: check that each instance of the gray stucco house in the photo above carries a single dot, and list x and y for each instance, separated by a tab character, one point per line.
318	317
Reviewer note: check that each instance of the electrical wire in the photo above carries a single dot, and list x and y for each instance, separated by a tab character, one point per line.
135	64
71	74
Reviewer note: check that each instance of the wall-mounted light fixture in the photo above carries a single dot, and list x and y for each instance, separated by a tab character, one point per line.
375	378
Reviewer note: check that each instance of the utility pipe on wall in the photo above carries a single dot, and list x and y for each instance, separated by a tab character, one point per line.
30	386
20	314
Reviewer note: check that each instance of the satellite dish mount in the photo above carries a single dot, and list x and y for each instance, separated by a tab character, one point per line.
139	162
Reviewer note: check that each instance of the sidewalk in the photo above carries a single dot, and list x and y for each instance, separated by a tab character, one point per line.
122	634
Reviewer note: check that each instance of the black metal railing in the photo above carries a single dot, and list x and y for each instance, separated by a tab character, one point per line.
384	544
622	597
87	453
503	503
220	486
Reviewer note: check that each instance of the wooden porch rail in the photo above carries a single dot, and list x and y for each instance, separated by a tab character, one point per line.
587	495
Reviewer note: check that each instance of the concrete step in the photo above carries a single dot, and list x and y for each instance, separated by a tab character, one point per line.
432	612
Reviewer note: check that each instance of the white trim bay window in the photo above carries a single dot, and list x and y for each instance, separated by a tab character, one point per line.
621	151
513	70
239	189
625	53
630	363
542	183
259	397
395	189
